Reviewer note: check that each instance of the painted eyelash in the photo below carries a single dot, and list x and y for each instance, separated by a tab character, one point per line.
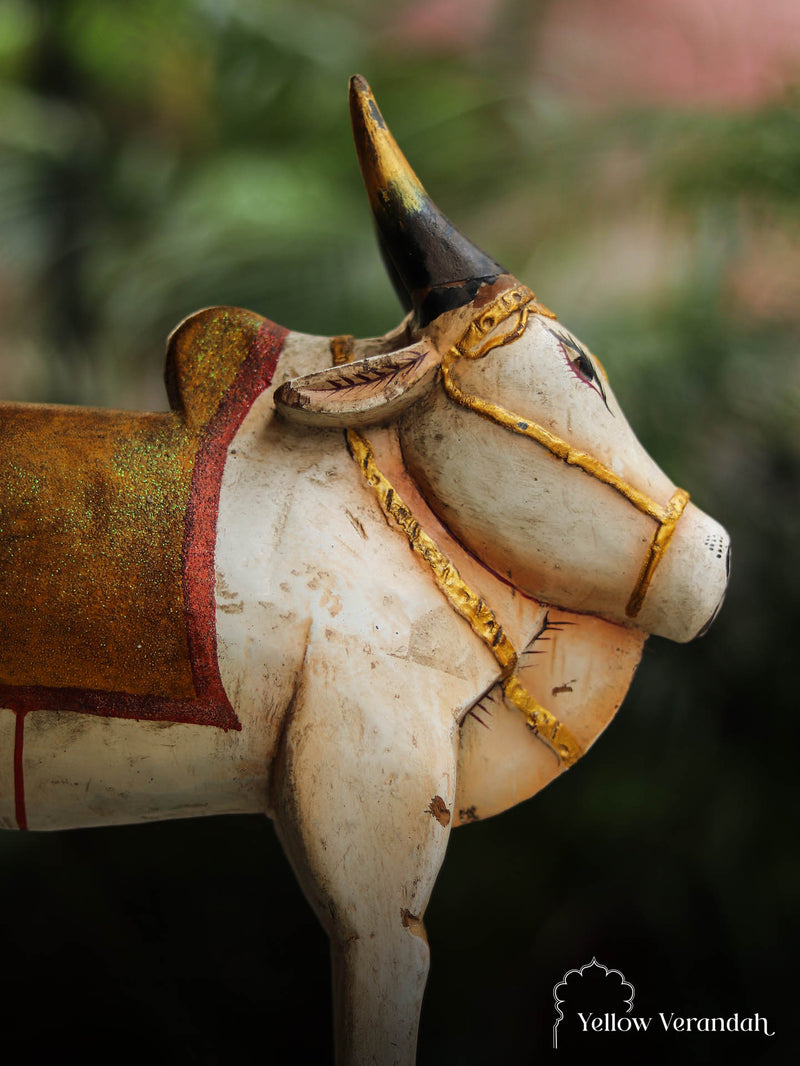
593	382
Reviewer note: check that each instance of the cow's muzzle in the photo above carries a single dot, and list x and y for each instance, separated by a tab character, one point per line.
689	586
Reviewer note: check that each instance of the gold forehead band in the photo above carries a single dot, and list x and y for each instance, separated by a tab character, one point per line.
482	336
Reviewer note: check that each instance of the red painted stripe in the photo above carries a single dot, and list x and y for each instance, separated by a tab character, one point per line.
19	775
211	705
200	531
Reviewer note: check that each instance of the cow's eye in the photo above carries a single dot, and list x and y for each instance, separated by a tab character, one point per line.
580	364
584	367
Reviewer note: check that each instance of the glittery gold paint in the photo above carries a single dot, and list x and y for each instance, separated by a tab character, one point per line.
92	515
212	347
91	523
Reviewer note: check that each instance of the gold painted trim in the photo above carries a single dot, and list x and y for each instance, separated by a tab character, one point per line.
555	445
658	547
478	339
544	724
521	301
480	617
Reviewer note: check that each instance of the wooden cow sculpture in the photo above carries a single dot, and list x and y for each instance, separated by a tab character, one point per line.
309	588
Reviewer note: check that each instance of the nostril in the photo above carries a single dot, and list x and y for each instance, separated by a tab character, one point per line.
715	542
728	562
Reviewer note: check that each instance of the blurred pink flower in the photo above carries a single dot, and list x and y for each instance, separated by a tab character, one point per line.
446	25
725	52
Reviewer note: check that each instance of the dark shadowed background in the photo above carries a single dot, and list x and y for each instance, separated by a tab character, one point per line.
639	166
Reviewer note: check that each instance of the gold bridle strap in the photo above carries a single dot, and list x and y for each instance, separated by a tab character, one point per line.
459	595
480	338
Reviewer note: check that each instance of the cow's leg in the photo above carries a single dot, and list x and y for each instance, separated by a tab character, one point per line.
362	798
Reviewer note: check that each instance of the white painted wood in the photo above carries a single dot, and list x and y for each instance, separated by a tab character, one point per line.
85	770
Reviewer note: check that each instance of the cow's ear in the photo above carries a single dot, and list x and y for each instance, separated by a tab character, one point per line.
362	393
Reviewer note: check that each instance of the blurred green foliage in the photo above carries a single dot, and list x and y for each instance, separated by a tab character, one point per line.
157	157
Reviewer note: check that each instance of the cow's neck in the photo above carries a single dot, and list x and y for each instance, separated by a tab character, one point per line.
503	618
599	658
471	603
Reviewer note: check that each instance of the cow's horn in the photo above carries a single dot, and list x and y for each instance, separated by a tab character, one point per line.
433	267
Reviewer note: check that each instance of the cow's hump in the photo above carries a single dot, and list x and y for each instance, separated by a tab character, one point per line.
204	355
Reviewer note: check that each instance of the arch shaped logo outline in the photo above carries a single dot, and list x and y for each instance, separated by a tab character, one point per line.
557	1001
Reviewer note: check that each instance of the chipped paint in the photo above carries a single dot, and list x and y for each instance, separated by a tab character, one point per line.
566	687
439	810
414	924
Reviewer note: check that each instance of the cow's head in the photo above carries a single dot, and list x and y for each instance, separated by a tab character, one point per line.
510	426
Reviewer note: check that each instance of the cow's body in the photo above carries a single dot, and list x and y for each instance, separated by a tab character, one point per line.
347	676
308	589
197	728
